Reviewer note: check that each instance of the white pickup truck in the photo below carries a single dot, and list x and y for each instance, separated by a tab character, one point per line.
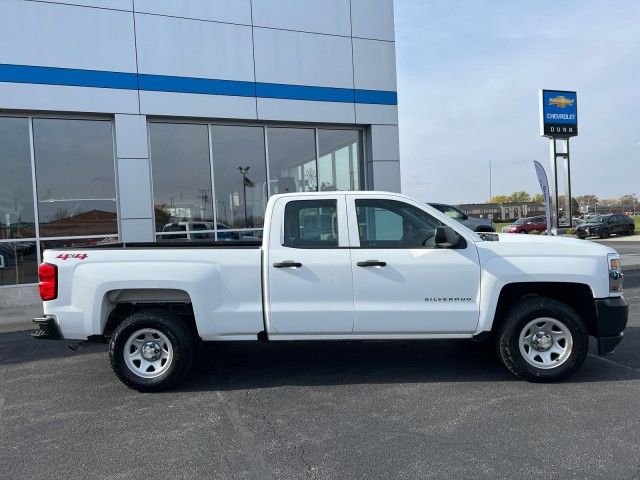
338	266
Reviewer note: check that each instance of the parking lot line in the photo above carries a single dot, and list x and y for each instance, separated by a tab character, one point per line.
612	362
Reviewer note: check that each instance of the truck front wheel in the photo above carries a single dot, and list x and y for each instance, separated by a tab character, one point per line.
542	340
151	350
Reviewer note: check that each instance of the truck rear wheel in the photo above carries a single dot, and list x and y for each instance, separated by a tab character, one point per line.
542	340
151	350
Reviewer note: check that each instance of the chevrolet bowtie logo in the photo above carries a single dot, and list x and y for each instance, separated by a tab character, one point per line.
561	101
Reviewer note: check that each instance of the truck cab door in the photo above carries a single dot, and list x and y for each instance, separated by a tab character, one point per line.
404	284
307	268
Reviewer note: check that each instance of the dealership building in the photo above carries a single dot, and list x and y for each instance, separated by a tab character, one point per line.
152	120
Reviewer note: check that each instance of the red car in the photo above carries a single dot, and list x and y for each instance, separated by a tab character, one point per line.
527	225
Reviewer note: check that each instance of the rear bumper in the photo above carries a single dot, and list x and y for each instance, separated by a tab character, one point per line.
612	315
47	328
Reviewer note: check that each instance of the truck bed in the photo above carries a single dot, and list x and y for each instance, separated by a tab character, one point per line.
169	244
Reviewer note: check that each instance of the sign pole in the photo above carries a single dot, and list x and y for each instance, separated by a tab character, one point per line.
553	197
567	188
559	122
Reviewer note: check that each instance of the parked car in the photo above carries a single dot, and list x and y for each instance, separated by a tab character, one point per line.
604	225
197	231
474	223
527	225
337	266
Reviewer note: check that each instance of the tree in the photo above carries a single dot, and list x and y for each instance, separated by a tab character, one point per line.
538	197
499	199
589	199
519	197
575	207
60	214
608	202
627	200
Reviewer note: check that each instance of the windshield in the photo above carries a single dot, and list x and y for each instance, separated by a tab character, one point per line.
595	219
520	221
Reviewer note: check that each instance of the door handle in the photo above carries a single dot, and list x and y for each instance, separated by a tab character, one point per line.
372	263
287	263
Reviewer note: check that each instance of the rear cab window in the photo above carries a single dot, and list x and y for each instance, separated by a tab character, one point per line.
311	224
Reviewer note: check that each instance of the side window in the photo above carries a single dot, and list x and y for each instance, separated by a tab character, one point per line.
394	224
311	224
453	213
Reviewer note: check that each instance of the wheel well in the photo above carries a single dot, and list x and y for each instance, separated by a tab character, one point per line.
576	295
122	310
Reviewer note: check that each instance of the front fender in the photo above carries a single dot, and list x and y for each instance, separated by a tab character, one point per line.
498	271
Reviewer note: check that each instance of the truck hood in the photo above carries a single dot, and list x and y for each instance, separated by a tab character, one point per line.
543	245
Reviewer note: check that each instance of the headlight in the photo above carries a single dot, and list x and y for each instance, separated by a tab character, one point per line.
615	273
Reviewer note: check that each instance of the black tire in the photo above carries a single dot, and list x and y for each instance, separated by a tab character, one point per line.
604	233
523	231
630	230
183	345
582	237
531	308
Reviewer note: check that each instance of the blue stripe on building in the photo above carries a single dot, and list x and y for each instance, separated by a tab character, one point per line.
166	83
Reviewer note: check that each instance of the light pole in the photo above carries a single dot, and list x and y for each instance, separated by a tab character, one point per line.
490	192
243	171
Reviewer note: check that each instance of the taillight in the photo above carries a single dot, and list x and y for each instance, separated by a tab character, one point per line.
48	281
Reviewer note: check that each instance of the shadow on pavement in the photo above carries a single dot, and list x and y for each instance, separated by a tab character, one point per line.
249	365
20	347
246	366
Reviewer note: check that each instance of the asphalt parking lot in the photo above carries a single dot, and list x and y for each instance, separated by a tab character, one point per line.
321	410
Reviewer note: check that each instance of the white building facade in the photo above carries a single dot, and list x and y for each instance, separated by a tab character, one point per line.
153	120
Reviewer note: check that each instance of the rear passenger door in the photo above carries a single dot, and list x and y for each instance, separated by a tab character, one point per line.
308	268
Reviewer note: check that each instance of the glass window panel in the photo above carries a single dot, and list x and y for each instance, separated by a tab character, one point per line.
338	167
311	223
240	175
394	224
17	219
181	175
75	177
325	173
18	263
292	160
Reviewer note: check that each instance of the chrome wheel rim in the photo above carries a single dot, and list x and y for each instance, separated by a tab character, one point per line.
148	353
545	343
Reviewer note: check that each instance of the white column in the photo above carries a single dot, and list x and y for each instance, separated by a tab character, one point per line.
383	158
134	179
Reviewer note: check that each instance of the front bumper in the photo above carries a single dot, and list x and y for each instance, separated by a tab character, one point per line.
47	328
611	320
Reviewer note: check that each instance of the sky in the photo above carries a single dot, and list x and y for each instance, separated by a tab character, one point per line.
469	72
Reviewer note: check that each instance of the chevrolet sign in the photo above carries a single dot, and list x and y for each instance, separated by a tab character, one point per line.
558	113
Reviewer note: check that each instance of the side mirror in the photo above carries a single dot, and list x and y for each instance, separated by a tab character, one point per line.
447	237
465	216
